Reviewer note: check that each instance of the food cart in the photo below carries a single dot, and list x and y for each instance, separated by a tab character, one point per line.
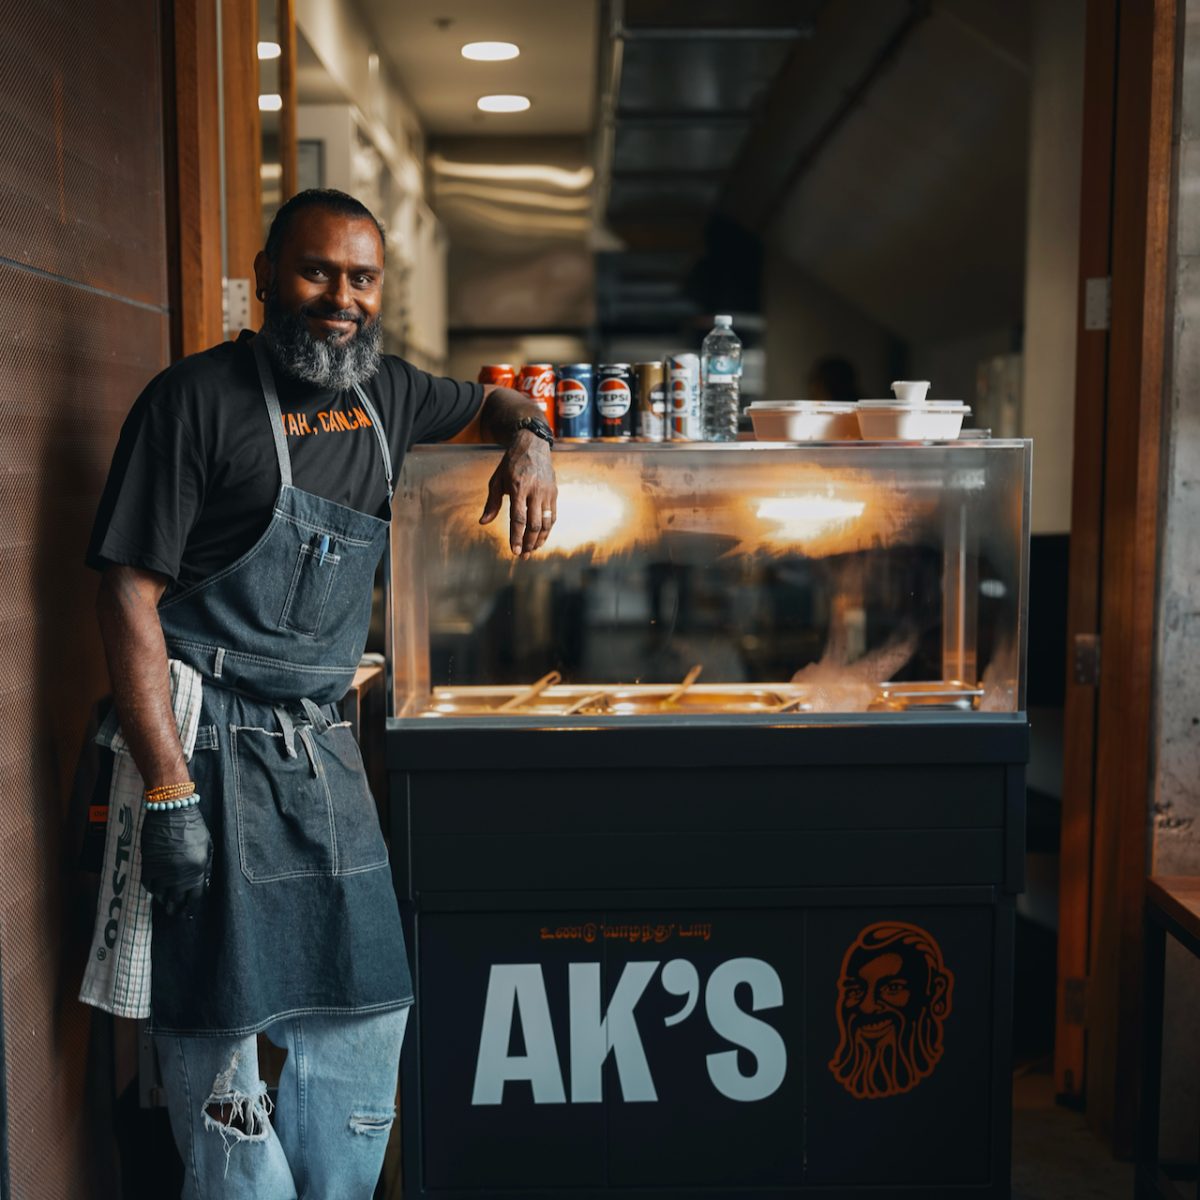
707	821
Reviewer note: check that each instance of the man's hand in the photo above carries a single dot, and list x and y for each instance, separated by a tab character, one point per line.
177	854
526	476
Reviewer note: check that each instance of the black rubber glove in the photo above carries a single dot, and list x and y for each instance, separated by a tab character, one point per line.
177	853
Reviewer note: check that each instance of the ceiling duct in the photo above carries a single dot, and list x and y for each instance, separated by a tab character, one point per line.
682	82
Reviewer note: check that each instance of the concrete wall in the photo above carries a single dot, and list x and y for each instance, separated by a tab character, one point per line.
806	322
952	365
1052	255
1176	832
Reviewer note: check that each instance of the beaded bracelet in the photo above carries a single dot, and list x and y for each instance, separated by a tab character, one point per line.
170	791
170	805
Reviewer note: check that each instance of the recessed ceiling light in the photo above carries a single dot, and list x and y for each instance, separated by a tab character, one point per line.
490	51
503	104
268	50
272	103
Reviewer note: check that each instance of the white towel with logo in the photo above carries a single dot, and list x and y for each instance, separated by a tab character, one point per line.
117	978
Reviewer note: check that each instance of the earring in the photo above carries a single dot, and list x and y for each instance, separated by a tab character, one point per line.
261	294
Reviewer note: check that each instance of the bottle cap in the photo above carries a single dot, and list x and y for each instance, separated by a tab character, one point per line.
724	320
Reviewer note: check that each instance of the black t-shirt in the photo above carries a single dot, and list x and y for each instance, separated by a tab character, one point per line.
195	477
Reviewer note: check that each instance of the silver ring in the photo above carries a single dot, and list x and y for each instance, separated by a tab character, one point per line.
547	514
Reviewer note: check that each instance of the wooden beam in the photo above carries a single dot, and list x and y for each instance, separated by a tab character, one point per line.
1144	137
1083	603
243	144
288	147
194	230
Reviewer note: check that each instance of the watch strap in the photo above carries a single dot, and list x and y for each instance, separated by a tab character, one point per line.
538	428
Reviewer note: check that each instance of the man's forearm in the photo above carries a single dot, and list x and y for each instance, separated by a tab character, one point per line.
502	409
127	607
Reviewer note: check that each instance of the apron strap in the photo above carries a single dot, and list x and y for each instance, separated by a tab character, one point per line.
271	396
314	714
288	728
380	436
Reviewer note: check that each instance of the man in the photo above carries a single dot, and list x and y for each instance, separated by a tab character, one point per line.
894	995
238	534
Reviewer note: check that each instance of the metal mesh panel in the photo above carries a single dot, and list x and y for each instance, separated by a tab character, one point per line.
70	365
81	196
81	179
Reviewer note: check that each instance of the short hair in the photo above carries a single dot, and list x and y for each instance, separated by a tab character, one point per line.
327	198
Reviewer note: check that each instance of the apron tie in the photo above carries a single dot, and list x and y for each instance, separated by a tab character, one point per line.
306	738
315	715
288	728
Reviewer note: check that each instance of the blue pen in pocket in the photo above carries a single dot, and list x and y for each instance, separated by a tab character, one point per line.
323	549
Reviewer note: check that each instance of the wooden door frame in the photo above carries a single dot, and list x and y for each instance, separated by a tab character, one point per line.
243	145
1129	120
193	174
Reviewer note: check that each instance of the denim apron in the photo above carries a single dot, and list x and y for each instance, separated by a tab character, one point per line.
301	916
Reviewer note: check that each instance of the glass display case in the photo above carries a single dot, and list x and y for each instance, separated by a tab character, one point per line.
728	581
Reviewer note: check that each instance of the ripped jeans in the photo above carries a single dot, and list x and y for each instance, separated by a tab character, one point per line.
327	1135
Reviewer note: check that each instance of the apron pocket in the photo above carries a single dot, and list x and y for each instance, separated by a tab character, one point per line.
284	810
312	581
360	845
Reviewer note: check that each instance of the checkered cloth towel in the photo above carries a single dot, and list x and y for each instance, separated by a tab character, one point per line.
117	978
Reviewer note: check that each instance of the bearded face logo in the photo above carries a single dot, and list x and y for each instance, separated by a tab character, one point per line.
894	996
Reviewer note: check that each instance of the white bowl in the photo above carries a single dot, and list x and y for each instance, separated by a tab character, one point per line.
910	391
937	421
804	421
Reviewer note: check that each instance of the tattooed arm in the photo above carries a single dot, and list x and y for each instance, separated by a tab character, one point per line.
127	607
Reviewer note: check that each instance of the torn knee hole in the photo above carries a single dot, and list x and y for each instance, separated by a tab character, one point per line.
372	1124
237	1115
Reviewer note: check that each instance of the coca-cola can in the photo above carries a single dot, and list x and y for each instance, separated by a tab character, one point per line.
683	389
651	401
499	374
616	386
575	410
537	382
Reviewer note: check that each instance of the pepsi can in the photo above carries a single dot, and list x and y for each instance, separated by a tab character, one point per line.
615	387
573	401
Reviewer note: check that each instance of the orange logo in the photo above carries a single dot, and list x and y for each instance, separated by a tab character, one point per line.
894	996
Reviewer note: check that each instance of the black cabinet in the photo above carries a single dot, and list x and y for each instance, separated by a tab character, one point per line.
710	959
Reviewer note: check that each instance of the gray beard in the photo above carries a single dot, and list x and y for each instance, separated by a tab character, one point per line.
332	365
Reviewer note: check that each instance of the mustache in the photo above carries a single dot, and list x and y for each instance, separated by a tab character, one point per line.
332	314
857	1020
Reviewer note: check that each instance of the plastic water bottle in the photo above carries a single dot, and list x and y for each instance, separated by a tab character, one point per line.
721	375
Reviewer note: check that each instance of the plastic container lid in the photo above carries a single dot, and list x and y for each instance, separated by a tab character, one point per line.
927	406
807	406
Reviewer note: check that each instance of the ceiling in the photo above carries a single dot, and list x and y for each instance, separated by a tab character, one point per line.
422	40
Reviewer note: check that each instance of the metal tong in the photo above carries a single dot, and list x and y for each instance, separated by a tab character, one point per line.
686	683
532	692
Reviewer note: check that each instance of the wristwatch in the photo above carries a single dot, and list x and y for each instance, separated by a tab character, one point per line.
538	428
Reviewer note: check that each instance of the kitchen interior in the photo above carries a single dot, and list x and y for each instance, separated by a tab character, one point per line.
875	191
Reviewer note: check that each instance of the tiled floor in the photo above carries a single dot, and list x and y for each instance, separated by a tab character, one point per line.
1055	1155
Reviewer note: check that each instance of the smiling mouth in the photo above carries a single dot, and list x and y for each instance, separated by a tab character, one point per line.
875	1028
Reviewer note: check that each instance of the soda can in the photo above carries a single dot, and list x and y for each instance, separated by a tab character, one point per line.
500	374
615	386
537	382
683	385
651	401
575	410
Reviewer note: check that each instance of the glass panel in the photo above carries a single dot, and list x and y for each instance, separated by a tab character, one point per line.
764	578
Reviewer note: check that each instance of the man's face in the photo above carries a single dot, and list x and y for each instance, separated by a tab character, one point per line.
881	993
329	273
